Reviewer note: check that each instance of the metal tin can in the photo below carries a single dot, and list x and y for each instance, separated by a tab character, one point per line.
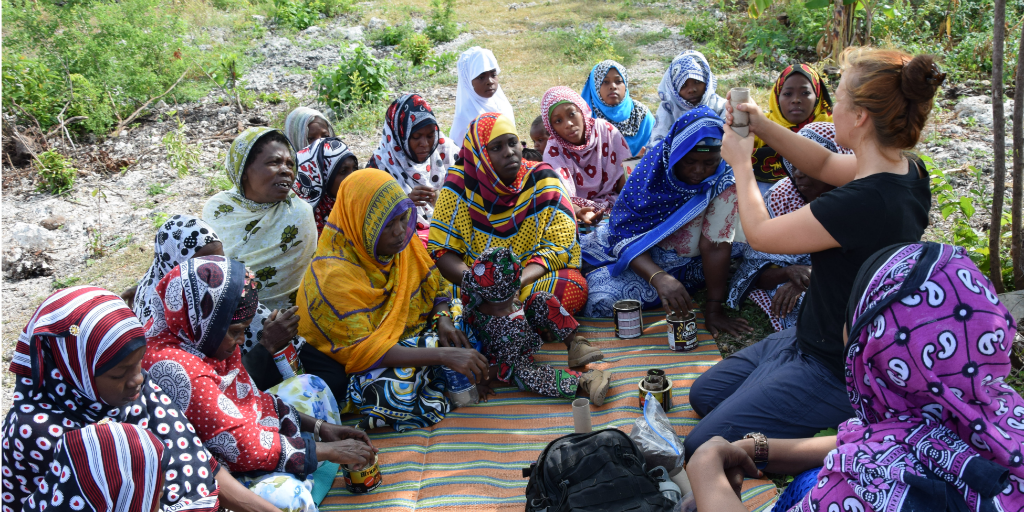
682	331
287	362
461	391
663	396
364	480
629	321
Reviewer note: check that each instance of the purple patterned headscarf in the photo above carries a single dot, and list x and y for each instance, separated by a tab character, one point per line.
937	428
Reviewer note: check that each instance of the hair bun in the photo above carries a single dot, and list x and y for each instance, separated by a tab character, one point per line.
921	78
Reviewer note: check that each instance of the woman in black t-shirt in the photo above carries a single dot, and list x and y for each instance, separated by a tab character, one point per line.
792	383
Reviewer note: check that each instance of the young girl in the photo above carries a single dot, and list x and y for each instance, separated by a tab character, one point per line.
586	152
688	82
415	152
539	134
478	91
798	99
607	93
512	333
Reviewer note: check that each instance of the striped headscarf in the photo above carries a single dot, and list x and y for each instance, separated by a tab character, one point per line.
688	64
104	467
74	336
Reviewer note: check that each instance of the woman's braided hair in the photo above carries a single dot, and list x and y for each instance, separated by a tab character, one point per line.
897	90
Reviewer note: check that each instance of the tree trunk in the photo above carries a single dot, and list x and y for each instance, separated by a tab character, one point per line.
995	266
1017	210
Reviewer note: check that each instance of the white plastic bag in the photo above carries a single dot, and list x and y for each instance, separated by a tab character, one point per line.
653	433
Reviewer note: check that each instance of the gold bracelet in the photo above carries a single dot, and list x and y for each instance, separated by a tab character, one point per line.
650	281
316	430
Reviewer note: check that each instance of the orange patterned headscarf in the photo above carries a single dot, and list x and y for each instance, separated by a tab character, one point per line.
353	304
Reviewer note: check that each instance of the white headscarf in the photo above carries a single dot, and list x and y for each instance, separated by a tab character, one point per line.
468	104
688	64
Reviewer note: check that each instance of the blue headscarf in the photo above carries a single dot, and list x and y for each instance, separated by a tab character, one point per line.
654	203
632	118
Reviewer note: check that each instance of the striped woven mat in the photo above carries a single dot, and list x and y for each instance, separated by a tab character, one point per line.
473	460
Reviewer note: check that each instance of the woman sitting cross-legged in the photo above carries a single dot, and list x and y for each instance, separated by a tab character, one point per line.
671	229
936	427
260	221
607	93
273	440
322	166
587	153
882	198
105	467
493	198
415	152
377	310
777	282
78	362
183	237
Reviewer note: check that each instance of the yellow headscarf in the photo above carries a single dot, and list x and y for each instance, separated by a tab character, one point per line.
353	305
822	108
766	161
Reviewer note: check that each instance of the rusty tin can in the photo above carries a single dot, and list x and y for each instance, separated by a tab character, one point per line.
682	331
660	387
629	320
361	481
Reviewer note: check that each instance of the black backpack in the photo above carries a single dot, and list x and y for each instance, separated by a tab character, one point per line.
599	471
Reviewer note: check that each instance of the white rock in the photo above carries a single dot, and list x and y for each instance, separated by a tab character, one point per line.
376	23
311	31
980	108
351	33
32	237
224	110
258	18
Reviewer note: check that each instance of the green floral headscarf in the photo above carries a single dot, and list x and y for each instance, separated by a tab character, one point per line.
276	240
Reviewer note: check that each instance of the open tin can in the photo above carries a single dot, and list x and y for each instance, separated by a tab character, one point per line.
364	480
659	386
682	331
629	321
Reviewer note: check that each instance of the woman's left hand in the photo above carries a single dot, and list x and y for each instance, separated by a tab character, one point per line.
450	336
717	321
423	195
330	432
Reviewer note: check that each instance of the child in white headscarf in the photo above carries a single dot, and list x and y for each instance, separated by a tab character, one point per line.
305	125
478	91
688	82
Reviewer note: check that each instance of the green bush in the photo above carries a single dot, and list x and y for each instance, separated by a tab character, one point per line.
298	14
390	36
785	36
360	79
442	62
583	46
960	209
959	32
442	27
416	49
56	176
702	28
181	155
124	53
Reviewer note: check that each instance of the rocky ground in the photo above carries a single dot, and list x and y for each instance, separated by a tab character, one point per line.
101	232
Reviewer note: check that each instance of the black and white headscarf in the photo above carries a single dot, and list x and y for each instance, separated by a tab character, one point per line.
176	241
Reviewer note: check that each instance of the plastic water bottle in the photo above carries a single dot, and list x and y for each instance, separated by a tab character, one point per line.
461	391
